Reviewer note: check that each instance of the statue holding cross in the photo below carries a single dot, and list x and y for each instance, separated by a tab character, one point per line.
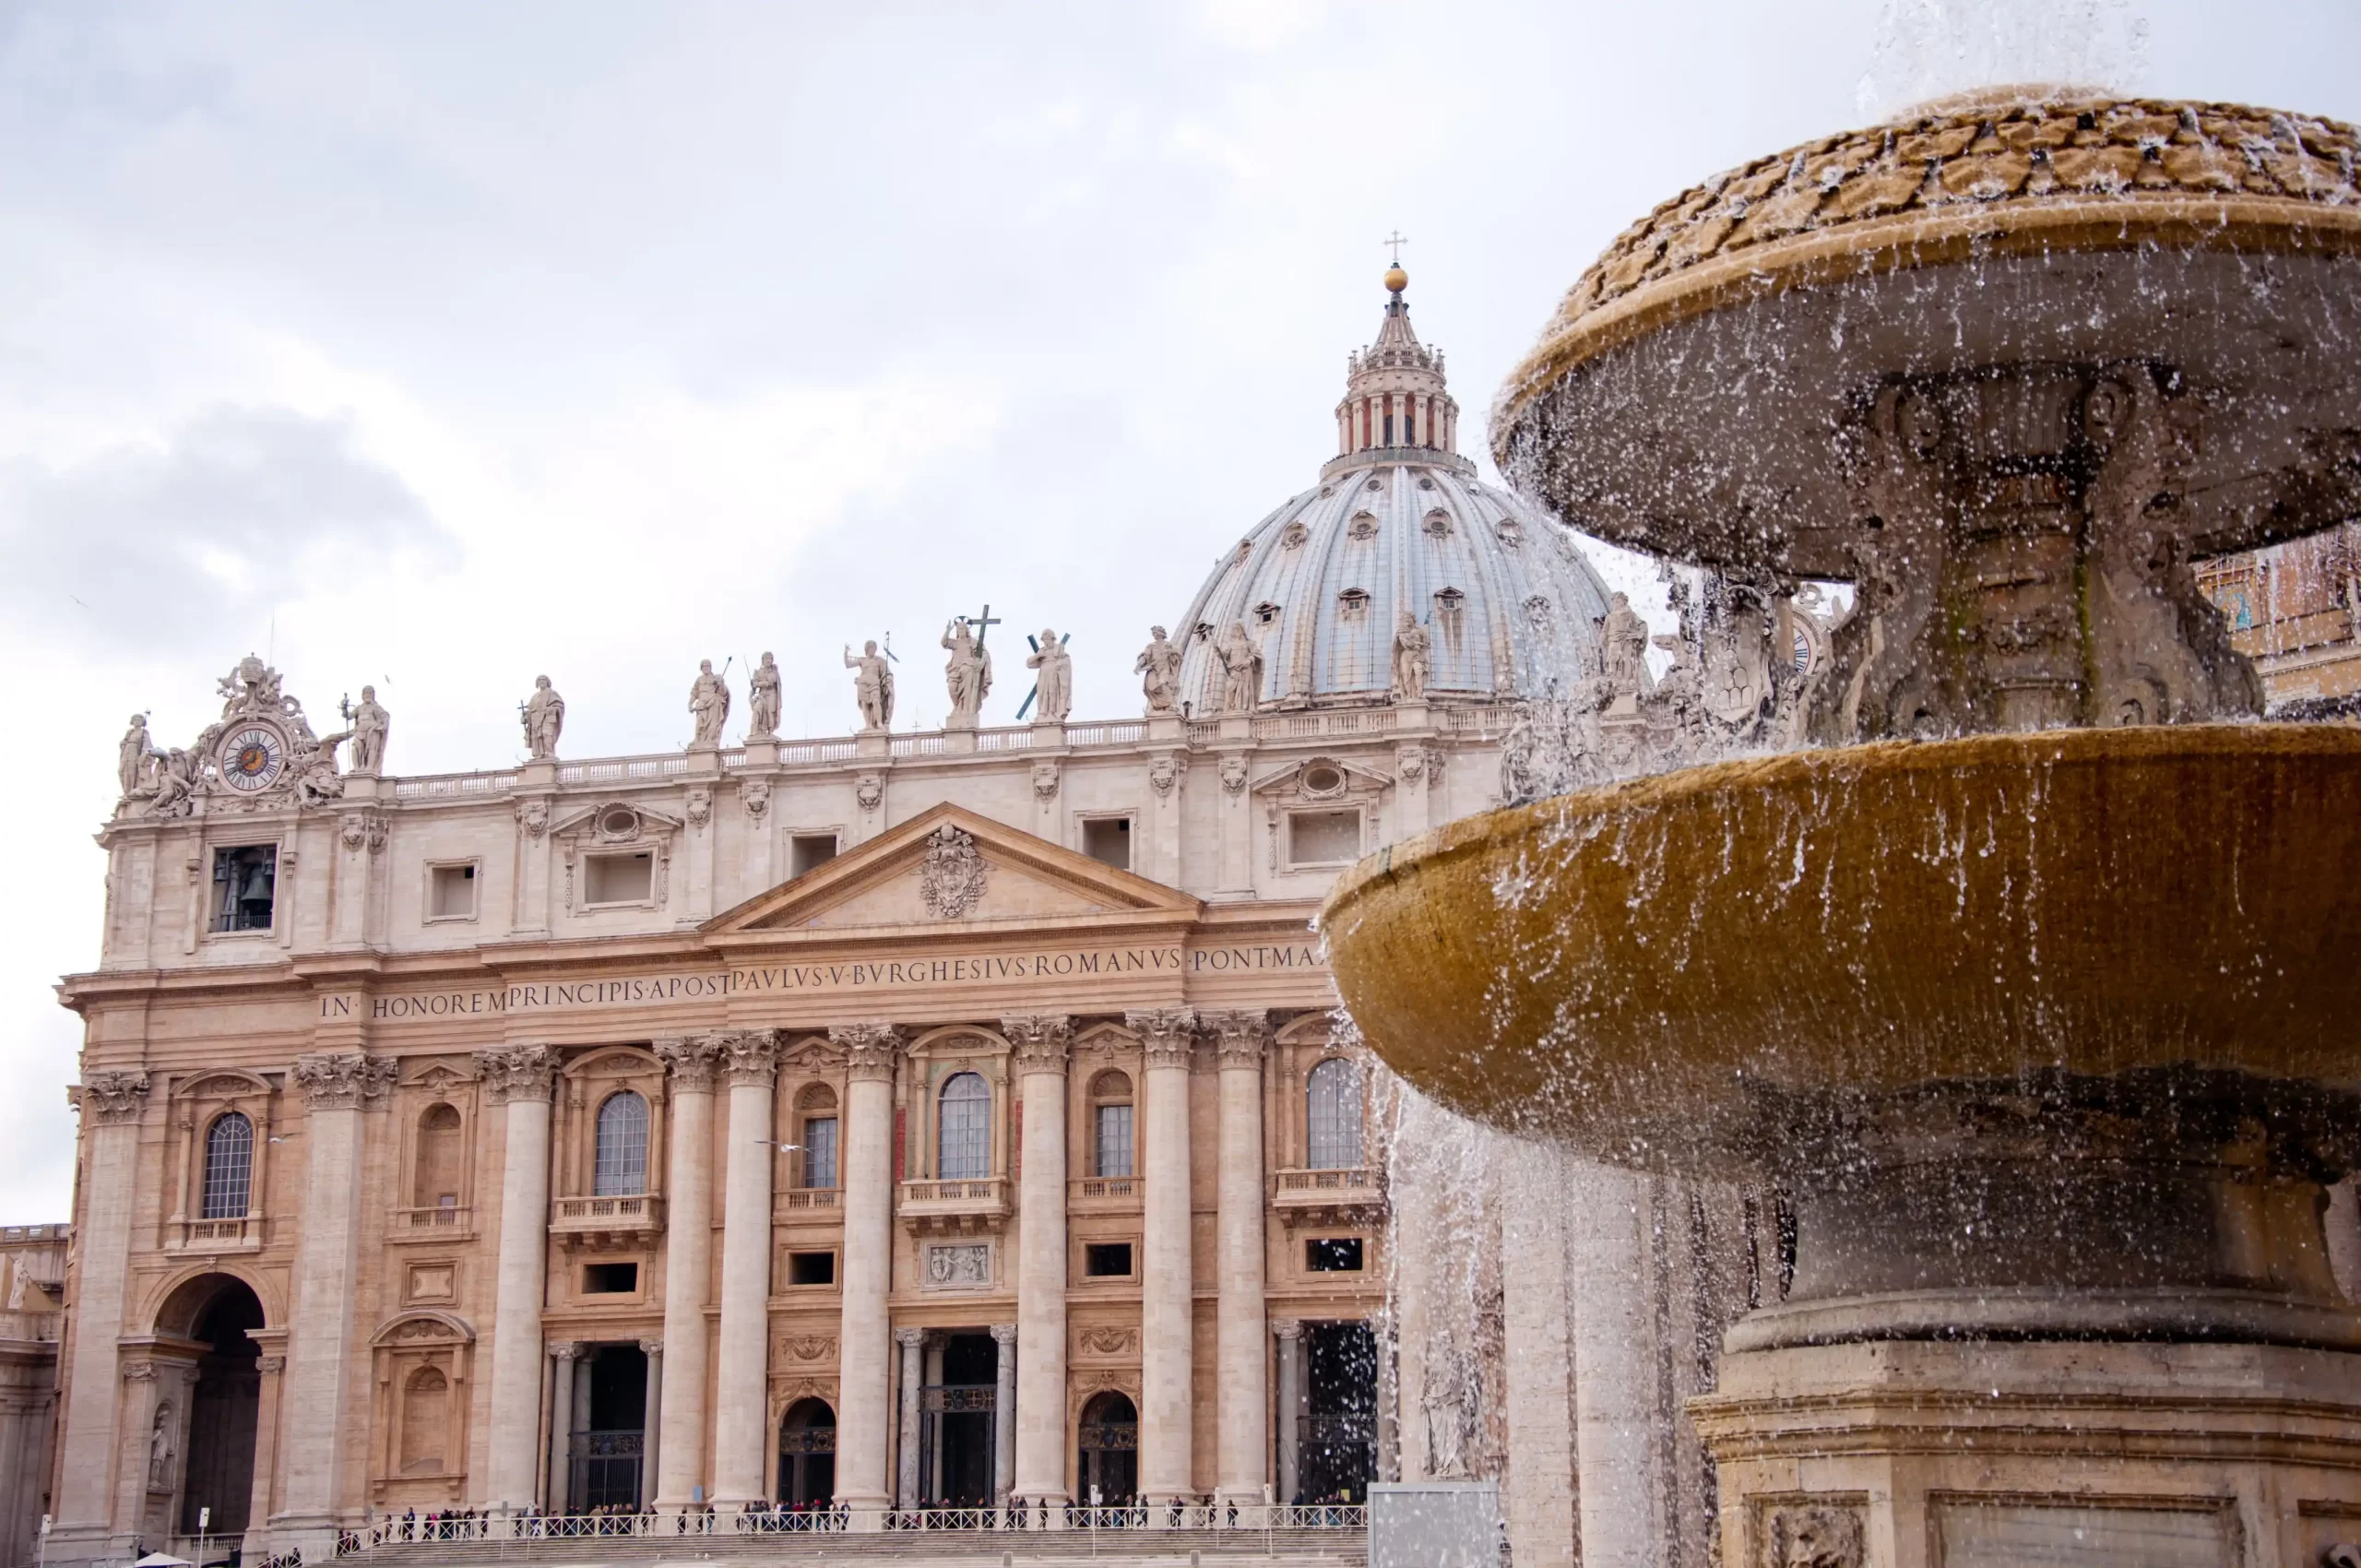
967	673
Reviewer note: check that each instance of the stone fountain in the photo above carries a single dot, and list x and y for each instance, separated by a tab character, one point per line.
2034	988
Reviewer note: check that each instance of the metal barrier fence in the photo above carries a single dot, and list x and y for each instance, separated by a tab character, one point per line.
397	1531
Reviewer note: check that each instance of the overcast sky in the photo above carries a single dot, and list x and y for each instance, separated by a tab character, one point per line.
440	346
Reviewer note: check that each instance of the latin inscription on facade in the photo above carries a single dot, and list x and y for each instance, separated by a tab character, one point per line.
792	979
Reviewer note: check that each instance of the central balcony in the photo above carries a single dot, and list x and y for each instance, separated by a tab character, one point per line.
609	1224
964	1208
1347	1196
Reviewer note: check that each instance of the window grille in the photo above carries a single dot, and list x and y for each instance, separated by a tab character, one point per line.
621	1169
228	1167
820	1151
1335	1116
244	882
1114	1141
963	1135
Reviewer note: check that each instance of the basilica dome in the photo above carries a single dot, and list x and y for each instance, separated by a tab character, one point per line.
1398	523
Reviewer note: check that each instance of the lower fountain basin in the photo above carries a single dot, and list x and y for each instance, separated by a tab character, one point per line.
1649	970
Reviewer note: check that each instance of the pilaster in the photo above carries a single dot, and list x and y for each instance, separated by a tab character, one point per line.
1038	1388
864	1411
519	1078
912	1342
1167	1293
677	1469
750	1063
111	1104
1242	1042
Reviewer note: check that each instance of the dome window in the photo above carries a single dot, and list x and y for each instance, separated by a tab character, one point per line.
1294	537
1265	612
1449	602
1353	604
1426	482
1437	524
1509	533
1364	526
1245	548
1375	484
1204	630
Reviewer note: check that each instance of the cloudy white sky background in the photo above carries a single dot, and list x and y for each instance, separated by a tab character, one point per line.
440	346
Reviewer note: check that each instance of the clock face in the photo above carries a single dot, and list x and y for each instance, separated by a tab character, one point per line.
252	758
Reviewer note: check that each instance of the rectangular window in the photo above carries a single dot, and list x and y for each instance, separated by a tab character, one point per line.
807	851
1108	841
610	1279
820	1151
1332	1254
1107	1260
811	1269
1114	1151
1320	839
451	893
619	879
244	881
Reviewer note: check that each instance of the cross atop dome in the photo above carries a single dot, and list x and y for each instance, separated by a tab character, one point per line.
1395	395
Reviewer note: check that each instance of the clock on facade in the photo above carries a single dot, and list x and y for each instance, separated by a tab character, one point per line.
252	758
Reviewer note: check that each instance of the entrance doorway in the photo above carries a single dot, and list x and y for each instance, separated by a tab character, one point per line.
807	1455
223	1407
958	1405
609	1428
1337	1458
1109	1472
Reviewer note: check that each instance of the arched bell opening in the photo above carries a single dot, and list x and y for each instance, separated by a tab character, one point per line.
1108	1475
807	1455
217	1480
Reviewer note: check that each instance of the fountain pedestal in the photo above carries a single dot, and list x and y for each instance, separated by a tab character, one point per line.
1978	1454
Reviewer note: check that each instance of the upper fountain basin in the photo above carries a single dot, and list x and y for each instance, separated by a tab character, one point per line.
1659	972
1701	391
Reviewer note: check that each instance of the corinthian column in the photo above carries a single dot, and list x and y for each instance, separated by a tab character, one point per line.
743	1380
111	1104
319	1346
864	1337
1167	1359
518	1077
1040	1474
1241	1039
688	1268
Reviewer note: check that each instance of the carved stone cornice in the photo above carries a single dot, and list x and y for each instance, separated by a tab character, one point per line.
112	1097
1242	1036
343	1080
517	1072
1164	1034
692	1062
869	1049
1040	1040
750	1056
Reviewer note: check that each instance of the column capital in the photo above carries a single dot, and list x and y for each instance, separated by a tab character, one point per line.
651	1346
565	1349
692	1061
517	1072
270	1366
909	1338
1164	1034
1241	1035
1004	1334
750	1056
1040	1040
870	1048
139	1372
343	1080
111	1097
1286	1329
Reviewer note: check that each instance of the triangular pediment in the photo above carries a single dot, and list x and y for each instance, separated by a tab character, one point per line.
951	869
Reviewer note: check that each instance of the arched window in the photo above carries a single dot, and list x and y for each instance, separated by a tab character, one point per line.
963	1141
817	1108
228	1167
426	1420
436	1184
1110	1125
621	1166
1334	1116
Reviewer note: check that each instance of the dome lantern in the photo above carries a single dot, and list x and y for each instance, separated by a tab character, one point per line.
1394	396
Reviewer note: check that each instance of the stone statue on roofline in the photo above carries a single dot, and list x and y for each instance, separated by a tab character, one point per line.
1158	667
1413	652
709	708
544	719
132	753
370	722
1242	663
966	674
873	686
1055	682
762	701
